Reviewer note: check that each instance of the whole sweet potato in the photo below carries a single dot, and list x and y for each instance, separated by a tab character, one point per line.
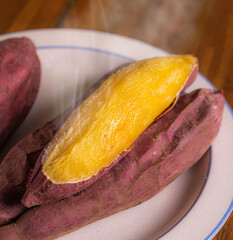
19	83
163	151
41	190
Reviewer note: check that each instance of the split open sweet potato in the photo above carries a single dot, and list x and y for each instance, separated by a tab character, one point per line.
101	131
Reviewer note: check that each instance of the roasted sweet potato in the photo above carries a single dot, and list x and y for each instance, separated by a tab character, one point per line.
163	151
22	158
19	83
40	190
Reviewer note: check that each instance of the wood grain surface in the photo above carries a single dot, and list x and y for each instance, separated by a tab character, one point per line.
200	27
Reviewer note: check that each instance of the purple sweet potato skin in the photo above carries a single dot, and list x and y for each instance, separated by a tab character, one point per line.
41	190
21	159
20	73
163	151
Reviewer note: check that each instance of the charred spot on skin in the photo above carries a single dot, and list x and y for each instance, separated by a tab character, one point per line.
78	193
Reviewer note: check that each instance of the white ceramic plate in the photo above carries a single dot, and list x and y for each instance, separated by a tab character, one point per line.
194	206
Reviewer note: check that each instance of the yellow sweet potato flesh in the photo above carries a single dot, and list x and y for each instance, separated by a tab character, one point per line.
113	117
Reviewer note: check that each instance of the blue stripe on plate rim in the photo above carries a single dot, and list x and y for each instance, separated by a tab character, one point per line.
230	208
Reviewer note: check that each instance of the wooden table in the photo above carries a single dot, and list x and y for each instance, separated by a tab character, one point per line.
201	27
